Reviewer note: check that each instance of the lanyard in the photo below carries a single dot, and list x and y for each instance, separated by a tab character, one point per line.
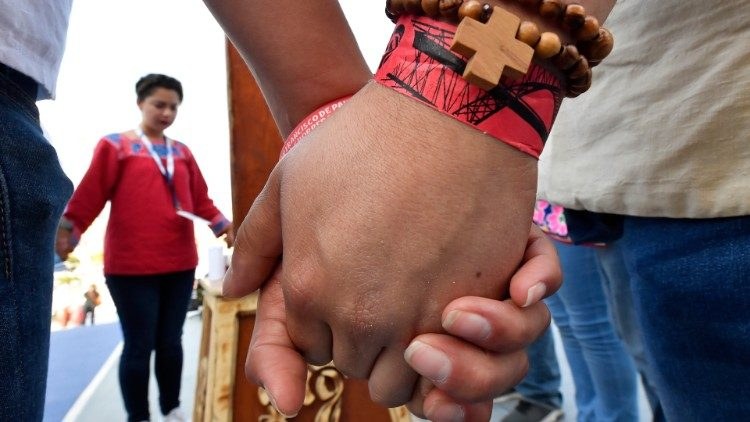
168	172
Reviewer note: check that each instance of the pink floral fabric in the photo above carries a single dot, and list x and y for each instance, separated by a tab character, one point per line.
551	219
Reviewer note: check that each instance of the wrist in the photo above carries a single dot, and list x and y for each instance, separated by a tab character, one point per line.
311	121
66	224
74	234
413	135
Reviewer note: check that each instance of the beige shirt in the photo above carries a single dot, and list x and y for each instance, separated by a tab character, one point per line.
32	39
665	129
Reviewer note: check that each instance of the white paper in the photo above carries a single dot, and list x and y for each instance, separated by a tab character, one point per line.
191	216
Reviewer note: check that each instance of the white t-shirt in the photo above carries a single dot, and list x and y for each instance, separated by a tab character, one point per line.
32	39
664	130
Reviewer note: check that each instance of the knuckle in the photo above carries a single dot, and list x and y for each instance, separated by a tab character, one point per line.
300	287
387	397
363	321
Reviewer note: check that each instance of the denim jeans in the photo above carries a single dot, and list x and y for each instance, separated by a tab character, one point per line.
152	311
603	373
542	382
33	193
691	287
616	283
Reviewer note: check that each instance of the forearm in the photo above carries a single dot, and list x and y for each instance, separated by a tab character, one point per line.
302	54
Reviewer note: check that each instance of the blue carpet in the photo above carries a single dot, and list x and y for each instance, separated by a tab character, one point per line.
76	355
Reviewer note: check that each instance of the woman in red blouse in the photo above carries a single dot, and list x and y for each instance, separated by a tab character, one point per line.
156	191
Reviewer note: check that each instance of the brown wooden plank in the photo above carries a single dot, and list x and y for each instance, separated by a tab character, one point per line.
255	141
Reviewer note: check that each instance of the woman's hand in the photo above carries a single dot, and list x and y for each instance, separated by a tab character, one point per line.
228	234
485	342
65	240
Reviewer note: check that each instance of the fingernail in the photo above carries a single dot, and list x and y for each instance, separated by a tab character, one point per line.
428	361
273	403
467	325
535	294
447	412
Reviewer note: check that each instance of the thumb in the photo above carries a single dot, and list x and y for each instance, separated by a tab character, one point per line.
539	275
257	247
272	360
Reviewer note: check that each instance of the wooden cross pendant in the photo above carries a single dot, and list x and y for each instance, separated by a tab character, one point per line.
492	49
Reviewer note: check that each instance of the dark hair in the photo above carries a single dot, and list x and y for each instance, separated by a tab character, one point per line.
147	84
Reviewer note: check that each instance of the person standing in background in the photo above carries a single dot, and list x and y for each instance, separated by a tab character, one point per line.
156	191
92	300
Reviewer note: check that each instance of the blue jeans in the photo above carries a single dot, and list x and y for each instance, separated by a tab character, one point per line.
616	282
691	288
542	382
603	372
33	193
152	312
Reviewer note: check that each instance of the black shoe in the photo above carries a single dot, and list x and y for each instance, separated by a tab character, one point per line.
531	411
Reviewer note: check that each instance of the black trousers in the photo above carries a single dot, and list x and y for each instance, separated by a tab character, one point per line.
152	312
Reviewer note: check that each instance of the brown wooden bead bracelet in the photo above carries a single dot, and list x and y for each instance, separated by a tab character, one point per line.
592	42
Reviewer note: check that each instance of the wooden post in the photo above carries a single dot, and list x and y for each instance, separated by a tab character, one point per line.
255	142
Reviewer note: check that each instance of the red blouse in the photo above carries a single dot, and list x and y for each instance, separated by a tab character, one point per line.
144	233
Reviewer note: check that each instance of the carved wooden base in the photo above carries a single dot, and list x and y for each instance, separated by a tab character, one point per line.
223	394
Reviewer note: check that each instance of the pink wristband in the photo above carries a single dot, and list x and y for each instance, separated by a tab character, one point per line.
311	122
419	64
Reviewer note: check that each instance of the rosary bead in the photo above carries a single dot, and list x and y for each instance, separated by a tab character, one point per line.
549	44
529	33
413	6
574	16
470	9
449	8
578	86
567	58
395	7
486	13
599	48
551	9
579	69
432	7
588	31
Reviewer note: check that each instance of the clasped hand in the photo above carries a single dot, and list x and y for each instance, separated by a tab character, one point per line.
394	223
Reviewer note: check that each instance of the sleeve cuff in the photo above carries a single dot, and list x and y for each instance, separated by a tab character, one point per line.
219	224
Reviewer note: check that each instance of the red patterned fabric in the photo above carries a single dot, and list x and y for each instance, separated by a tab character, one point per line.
418	63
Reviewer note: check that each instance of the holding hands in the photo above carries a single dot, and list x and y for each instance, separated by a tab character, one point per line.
379	234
